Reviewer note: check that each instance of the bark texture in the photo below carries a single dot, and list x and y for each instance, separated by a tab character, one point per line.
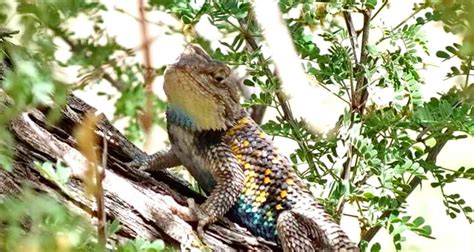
143	203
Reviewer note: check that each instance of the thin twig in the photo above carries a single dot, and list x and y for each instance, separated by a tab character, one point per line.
352	34
360	96
100	198
385	2
469	66
118	84
147	118
155	23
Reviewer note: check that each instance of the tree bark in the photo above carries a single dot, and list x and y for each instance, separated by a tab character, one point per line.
143	203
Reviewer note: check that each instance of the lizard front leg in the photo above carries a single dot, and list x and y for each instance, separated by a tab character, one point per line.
229	179
160	160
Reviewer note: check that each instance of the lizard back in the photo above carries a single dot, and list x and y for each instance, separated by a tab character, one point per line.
270	185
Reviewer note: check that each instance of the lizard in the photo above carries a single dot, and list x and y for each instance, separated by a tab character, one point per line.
235	162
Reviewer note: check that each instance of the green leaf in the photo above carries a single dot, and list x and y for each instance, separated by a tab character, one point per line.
376	247
63	173
6	161
427	230
442	54
156	245
371	4
113	227
368	195
249	83
418	221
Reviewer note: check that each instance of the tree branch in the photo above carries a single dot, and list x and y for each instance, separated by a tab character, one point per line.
151	197
360	95
258	111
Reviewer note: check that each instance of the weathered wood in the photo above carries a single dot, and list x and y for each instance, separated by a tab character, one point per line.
143	203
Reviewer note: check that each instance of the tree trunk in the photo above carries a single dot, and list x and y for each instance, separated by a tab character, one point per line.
143	203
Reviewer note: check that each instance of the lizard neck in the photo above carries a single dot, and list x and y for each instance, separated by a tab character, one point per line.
178	116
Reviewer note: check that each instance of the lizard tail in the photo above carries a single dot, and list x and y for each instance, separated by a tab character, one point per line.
309	228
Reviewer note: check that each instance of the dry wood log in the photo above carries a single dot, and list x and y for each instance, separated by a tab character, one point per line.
143	203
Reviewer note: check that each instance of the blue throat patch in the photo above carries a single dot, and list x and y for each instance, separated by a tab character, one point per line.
178	116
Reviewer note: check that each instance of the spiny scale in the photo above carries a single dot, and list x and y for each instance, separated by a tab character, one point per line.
267	181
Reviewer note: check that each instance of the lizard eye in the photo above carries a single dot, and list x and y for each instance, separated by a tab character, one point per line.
219	77
221	73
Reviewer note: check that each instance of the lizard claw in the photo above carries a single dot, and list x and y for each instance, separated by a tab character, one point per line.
200	228
202	217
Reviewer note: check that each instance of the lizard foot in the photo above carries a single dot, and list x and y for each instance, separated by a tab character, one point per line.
140	163
201	217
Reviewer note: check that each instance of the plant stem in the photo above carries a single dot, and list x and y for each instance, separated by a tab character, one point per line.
379	10
352	34
469	66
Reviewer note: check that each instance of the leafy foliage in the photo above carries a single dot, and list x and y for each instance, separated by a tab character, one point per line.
49	225
381	152
33	221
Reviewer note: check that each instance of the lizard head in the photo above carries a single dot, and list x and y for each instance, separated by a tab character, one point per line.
201	91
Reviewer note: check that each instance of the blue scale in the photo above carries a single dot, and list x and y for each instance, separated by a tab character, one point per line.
255	221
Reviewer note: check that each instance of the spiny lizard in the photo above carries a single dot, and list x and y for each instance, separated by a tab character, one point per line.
236	162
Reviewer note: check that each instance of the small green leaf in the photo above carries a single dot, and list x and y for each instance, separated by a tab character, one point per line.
371	4
427	230
442	54
156	245
368	195
376	247
249	83
63	173
372	50
113	227
418	221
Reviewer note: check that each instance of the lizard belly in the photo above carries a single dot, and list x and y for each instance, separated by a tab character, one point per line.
185	148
